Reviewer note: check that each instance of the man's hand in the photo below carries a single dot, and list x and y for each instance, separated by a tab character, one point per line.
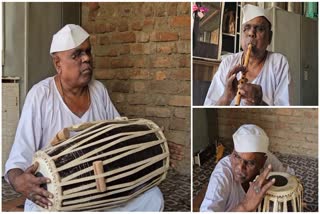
230	90
256	192
29	185
251	93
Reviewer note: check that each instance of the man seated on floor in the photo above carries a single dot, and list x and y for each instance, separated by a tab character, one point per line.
70	97
234	185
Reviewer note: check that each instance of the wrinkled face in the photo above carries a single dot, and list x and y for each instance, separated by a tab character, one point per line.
258	32
246	166
75	66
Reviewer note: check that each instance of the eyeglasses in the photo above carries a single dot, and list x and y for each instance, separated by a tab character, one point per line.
257	28
77	54
250	164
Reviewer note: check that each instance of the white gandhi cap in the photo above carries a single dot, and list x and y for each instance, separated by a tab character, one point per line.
250	138
250	12
69	37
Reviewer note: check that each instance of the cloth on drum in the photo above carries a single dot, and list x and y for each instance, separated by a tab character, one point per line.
149	201
223	192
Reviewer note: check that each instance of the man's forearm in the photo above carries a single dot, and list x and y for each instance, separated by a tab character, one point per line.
224	100
12	175
240	208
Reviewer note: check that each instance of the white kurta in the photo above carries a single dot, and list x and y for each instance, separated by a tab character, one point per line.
224	193
274	79
44	114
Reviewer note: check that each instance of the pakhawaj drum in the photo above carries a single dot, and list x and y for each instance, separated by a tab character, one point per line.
285	195
104	164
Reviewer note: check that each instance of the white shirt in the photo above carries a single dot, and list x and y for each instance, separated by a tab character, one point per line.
274	78
224	193
44	114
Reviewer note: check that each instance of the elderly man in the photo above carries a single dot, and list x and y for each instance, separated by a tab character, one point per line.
267	72
70	97
232	185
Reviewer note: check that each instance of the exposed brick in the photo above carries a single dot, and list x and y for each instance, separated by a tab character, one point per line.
180	101
141	48
106	51
136	111
179	124
120	86
142	37
161	24
172	9
178	137
160	9
164	87
123	26
88	27
136	26
140	74
184	8
289	130
124	49
125	10
122	74
118	97
180	21
148	24
283	111
104	74
162	62
137	99
121	62
185	35
181	74
141	54
102	62
141	61
100	28
160	75
123	37
139	86
93	40
158	112
166	48
183	47
182	112
104	40
164	36
159	100
184	61
148	9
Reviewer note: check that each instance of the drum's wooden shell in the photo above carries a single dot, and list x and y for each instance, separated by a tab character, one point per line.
77	190
280	198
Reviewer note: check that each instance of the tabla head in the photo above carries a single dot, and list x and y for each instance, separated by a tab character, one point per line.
285	183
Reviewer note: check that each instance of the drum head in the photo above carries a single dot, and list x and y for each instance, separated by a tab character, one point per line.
45	169
285	184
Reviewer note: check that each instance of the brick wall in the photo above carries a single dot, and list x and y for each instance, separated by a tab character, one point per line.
141	53
291	131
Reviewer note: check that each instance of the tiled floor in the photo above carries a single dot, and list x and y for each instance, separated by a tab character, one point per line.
175	189
305	168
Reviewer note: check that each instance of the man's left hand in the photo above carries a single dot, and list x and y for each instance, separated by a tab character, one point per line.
251	93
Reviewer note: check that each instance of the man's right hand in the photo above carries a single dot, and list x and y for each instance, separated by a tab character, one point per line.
29	185
256	192
231	88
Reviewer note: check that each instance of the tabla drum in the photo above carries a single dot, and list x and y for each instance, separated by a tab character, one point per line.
285	195
104	164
